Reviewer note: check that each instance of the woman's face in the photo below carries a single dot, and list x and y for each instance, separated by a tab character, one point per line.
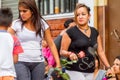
25	14
116	66
82	16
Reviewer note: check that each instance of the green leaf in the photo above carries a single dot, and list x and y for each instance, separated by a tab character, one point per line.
70	62
74	61
65	76
63	61
57	69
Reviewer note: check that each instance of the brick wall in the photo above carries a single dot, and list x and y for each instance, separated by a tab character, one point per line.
56	26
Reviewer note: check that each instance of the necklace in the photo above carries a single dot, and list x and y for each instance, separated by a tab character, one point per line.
84	30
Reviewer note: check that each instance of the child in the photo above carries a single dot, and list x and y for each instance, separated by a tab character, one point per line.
9	46
49	59
47	54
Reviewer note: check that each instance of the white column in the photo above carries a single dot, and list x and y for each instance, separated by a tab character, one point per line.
62	6
51	7
0	4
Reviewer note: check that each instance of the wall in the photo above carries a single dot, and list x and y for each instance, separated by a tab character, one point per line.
56	26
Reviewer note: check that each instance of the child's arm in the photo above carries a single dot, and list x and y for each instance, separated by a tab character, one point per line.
15	58
17	49
51	60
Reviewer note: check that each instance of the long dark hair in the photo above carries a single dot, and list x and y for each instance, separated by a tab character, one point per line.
36	17
118	57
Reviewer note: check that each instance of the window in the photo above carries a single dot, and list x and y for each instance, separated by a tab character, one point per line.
48	7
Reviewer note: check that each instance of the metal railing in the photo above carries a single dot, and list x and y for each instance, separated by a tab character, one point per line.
49	7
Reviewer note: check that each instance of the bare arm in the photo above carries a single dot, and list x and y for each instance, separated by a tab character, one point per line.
11	31
52	46
64	48
101	52
64	45
15	58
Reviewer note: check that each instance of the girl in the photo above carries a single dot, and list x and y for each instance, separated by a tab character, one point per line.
31	28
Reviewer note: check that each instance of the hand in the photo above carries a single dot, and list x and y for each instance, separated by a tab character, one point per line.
50	66
59	67
81	54
110	73
73	56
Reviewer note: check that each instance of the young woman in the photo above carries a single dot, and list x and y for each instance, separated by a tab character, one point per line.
30	29
116	67
115	70
76	43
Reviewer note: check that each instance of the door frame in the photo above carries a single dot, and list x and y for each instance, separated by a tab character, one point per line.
101	21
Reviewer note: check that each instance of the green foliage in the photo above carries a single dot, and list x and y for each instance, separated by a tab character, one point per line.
64	63
64	75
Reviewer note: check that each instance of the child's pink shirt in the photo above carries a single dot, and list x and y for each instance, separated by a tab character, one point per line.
17	46
48	55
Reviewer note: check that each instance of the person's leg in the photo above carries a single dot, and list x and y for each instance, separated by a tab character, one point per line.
38	71
74	75
22	71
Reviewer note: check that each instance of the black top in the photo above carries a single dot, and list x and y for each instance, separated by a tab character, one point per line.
81	42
